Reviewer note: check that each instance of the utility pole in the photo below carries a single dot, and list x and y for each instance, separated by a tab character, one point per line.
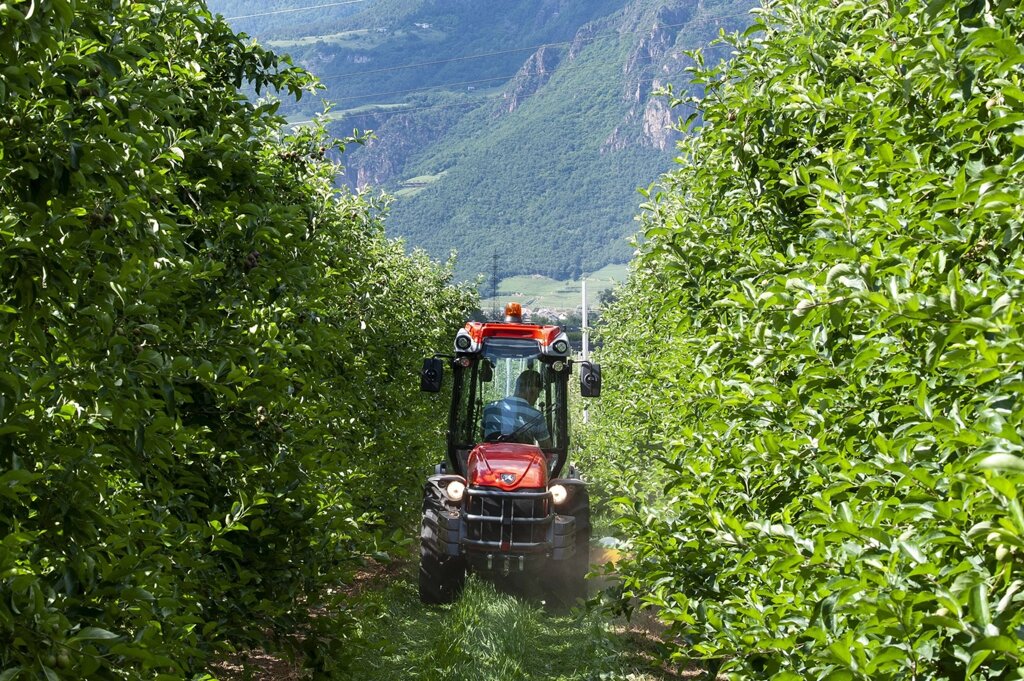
494	286
586	342
586	331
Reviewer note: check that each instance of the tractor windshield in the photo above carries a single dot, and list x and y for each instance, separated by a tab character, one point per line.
510	392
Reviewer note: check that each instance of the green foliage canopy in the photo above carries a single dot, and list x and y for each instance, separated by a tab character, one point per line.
206	350
819	353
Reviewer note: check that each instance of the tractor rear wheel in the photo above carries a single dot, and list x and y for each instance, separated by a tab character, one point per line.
572	584
442	577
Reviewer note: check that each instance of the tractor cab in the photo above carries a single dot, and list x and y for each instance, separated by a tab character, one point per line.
498	503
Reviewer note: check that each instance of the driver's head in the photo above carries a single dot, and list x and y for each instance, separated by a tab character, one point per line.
528	385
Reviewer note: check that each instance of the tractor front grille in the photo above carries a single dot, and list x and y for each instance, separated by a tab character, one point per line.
508	521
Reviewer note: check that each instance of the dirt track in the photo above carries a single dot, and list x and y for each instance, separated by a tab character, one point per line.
642	633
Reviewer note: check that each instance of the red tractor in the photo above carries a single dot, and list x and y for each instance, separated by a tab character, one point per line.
500	504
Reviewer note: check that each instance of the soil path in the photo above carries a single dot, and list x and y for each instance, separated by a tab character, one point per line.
485	635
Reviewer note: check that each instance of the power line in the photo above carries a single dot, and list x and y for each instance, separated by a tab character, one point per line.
441	61
438	107
439	86
427	87
495	78
481	55
344	118
294	9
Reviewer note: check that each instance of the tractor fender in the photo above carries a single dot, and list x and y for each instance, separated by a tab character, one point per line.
441	480
443	525
568	482
576	488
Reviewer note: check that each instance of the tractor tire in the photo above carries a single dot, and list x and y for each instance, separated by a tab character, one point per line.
442	577
572	584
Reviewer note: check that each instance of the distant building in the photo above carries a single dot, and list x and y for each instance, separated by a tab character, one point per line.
549	315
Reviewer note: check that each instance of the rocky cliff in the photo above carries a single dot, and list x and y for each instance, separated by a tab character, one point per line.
531	77
654	60
397	137
556	149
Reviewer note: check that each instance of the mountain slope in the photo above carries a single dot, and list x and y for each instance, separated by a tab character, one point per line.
365	55
533	185
545	173
519	128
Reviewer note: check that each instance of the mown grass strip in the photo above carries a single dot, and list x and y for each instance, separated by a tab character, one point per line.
492	635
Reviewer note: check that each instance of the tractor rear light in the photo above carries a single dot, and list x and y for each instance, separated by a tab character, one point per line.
455	490
558	494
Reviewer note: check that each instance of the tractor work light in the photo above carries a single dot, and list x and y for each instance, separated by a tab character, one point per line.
561	346
463	342
558	494
455	490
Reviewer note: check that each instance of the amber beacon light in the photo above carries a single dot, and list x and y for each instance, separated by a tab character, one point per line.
514	313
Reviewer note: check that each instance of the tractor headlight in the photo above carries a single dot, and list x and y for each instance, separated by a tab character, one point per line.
558	494
463	342
561	346
455	490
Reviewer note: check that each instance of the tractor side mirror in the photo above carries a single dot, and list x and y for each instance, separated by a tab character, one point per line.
431	375
590	379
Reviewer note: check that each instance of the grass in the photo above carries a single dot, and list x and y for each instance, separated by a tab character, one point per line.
491	635
361	38
537	291
342	114
414	185
486	635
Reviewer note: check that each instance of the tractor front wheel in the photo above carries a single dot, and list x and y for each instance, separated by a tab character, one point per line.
442	577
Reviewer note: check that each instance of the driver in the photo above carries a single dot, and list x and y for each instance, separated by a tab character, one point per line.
514	418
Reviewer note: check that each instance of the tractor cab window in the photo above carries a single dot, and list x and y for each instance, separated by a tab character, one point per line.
511	393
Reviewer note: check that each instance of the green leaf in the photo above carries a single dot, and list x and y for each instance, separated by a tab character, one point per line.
979	605
912	551
885	152
1001	462
94	634
976	661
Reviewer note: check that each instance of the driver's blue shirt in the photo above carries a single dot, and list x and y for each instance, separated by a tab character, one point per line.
513	416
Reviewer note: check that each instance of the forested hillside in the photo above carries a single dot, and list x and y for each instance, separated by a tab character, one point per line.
544	171
522	128
374	52
816	425
208	351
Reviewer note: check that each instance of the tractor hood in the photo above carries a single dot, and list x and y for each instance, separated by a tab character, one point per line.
507	466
